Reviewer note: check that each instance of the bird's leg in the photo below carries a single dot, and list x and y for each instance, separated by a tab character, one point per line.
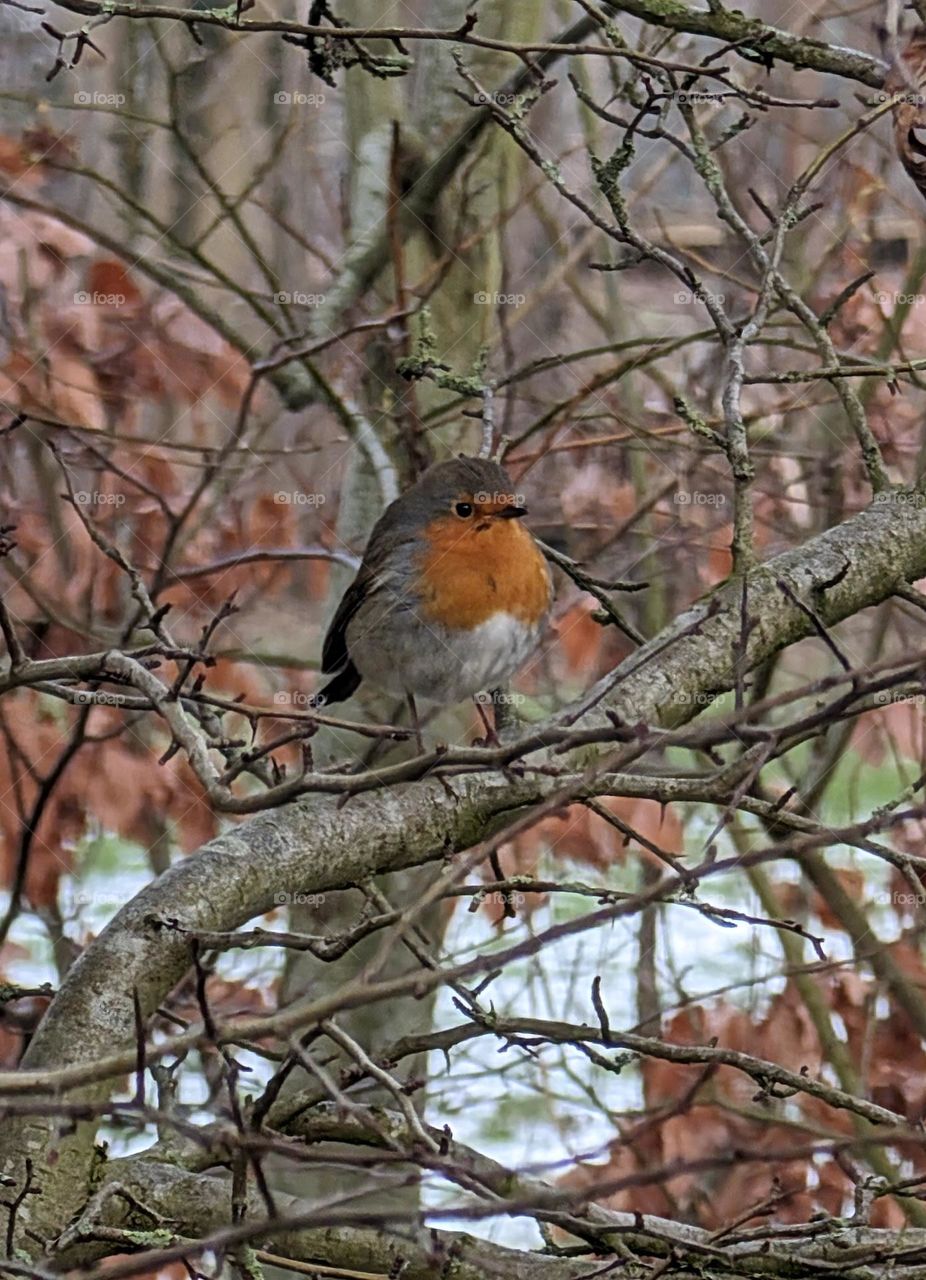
416	725
491	738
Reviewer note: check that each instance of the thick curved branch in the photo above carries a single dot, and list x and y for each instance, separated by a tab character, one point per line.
196	1207
137	1192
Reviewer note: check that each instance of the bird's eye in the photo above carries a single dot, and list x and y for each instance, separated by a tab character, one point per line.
464	509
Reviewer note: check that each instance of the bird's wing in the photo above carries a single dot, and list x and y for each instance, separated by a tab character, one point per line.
334	648
387	537
368	582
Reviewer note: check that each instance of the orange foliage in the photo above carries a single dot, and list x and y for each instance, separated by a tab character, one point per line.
113	783
712	1144
582	835
93	339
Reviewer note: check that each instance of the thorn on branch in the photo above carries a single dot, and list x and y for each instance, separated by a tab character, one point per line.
158	617
599	588
81	40
827	316
170	752
632	258
598	1003
762	206
326	56
817	622
467	24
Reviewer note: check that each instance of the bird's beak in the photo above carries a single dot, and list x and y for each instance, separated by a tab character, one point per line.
511	513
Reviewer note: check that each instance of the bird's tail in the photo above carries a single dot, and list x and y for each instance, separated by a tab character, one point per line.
342	687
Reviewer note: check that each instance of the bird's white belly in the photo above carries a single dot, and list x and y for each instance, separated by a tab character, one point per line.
439	664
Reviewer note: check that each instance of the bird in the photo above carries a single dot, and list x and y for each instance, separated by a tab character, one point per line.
907	79
451	596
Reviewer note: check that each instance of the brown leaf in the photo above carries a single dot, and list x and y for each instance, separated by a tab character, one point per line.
109	278
853	883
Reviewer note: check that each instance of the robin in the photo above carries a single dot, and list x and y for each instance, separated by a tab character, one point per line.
451	596
907	79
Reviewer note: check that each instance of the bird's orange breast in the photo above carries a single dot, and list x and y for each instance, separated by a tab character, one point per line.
471	571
